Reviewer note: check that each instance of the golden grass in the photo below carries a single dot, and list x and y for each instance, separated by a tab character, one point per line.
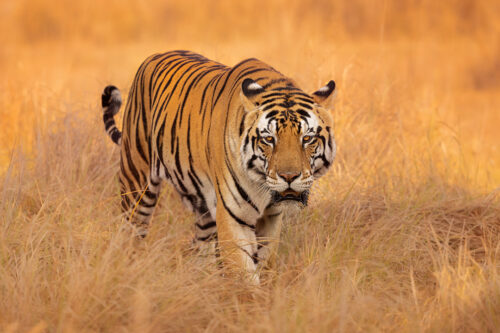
402	235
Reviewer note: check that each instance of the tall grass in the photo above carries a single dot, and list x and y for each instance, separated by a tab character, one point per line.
402	235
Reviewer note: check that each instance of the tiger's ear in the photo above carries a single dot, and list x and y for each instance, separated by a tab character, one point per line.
249	91
324	96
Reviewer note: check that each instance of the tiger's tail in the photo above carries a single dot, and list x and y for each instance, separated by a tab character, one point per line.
111	102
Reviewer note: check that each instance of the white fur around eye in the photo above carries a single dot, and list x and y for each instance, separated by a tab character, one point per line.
311	124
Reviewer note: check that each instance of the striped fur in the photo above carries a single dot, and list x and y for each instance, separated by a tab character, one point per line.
111	101
239	144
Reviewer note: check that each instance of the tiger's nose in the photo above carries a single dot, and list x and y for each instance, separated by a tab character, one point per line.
289	177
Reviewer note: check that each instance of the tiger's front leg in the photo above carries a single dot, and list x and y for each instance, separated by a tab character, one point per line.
237	244
268	235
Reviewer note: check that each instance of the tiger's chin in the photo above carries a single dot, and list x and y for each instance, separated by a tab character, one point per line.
290	198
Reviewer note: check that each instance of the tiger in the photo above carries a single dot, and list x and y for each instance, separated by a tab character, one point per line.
241	145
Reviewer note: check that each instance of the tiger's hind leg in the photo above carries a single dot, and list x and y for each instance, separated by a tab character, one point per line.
205	239
139	198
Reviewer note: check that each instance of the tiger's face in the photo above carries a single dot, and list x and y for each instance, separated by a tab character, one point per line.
287	138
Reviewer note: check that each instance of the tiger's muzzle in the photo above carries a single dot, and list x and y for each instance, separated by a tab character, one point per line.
290	195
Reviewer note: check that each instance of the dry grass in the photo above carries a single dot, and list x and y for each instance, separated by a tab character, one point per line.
402	235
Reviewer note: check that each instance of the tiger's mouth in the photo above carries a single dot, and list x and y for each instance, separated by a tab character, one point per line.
290	195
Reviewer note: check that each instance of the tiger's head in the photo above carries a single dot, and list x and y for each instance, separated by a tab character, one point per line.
287	137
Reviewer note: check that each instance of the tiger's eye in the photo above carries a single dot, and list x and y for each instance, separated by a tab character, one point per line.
307	138
267	139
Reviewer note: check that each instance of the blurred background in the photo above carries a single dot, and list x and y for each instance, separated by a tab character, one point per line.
402	235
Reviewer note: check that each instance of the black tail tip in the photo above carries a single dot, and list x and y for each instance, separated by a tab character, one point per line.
107	96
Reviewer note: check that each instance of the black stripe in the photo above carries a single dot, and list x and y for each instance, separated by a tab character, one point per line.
173	129
287	104
255	258
116	135
201	206
267	101
303	113
131	165
144	119
306	106
245	195
125	206
267	107
250	162
298	92
242	192
150	195
131	186
206	226
242	123
138	144
180	183
329	137
159	142
271	114
303	99
272	82
178	161
237	219
247	138
281	95
146	205
285	88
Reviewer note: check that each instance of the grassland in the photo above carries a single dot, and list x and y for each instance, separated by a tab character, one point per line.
401	235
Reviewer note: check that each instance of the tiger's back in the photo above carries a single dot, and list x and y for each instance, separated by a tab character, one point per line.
159	125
